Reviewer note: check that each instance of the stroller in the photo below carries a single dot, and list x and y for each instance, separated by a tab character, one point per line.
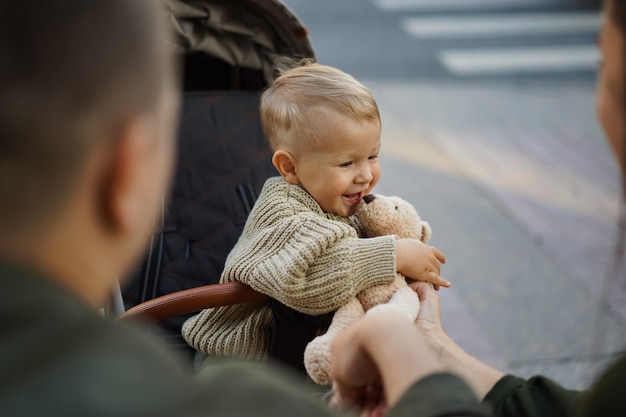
228	51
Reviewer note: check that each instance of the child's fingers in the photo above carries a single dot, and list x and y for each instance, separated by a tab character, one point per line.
435	279
439	255
436	266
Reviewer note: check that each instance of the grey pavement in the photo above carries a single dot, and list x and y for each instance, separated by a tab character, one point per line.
521	191
367	41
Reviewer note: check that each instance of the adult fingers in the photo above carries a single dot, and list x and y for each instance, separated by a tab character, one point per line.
352	368
374	404
424	291
430	313
347	398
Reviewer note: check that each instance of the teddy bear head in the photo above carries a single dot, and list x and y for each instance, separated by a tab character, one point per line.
382	215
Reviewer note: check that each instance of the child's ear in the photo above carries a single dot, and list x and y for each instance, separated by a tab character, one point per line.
286	166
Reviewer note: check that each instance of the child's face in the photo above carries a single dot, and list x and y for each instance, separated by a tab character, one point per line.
344	167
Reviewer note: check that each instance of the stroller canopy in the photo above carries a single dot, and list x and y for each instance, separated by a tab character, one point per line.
245	33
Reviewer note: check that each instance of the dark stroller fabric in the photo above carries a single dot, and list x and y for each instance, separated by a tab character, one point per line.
292	331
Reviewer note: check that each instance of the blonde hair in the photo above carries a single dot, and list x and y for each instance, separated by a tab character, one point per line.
296	107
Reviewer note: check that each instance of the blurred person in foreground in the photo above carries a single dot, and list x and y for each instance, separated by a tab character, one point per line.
361	370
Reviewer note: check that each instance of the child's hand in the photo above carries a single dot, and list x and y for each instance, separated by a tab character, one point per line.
420	262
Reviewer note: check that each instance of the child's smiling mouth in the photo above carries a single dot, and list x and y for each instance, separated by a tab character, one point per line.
353	199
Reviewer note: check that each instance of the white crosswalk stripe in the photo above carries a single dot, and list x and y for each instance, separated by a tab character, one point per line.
475	37
502	25
449	5
518	60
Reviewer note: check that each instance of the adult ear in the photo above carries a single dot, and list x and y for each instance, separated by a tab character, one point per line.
126	178
285	163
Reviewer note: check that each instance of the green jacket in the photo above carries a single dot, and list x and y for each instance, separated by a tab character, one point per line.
60	358
539	397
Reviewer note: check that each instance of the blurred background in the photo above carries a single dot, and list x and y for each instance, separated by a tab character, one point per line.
489	129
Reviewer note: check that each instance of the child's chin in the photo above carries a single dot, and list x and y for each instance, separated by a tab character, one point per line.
348	213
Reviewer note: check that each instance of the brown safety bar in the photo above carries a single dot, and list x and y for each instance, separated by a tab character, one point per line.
192	300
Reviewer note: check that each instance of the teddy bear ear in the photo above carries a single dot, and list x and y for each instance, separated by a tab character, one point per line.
427	232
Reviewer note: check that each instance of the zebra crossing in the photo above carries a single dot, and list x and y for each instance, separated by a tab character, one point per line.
501	37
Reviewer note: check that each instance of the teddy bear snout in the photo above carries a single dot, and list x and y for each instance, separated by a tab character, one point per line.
369	198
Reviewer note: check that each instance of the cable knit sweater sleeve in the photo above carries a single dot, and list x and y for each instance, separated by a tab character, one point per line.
296	254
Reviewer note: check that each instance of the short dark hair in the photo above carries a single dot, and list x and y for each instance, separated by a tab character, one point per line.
71	71
619	14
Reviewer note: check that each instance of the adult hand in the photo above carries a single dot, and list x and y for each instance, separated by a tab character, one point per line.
480	376
380	350
429	318
372	404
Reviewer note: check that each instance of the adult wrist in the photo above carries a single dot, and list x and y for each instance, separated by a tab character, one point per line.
480	376
401	363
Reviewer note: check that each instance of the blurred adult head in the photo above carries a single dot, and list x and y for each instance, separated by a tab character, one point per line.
86	130
611	103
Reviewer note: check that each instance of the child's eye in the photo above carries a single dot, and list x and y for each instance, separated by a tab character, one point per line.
346	164
373	157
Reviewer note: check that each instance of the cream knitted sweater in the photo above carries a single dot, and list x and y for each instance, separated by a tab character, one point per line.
291	250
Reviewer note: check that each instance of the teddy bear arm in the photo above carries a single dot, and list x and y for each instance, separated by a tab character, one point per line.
317	354
380	294
404	301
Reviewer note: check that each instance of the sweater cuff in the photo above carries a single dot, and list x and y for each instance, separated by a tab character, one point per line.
373	261
440	394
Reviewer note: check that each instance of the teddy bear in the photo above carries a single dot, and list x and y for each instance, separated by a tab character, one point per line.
378	215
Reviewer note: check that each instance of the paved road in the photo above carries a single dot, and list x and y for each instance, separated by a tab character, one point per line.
450	39
508	164
521	192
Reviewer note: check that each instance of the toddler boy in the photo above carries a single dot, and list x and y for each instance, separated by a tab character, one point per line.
301	244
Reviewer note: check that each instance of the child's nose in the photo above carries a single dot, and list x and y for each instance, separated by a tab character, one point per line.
364	175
